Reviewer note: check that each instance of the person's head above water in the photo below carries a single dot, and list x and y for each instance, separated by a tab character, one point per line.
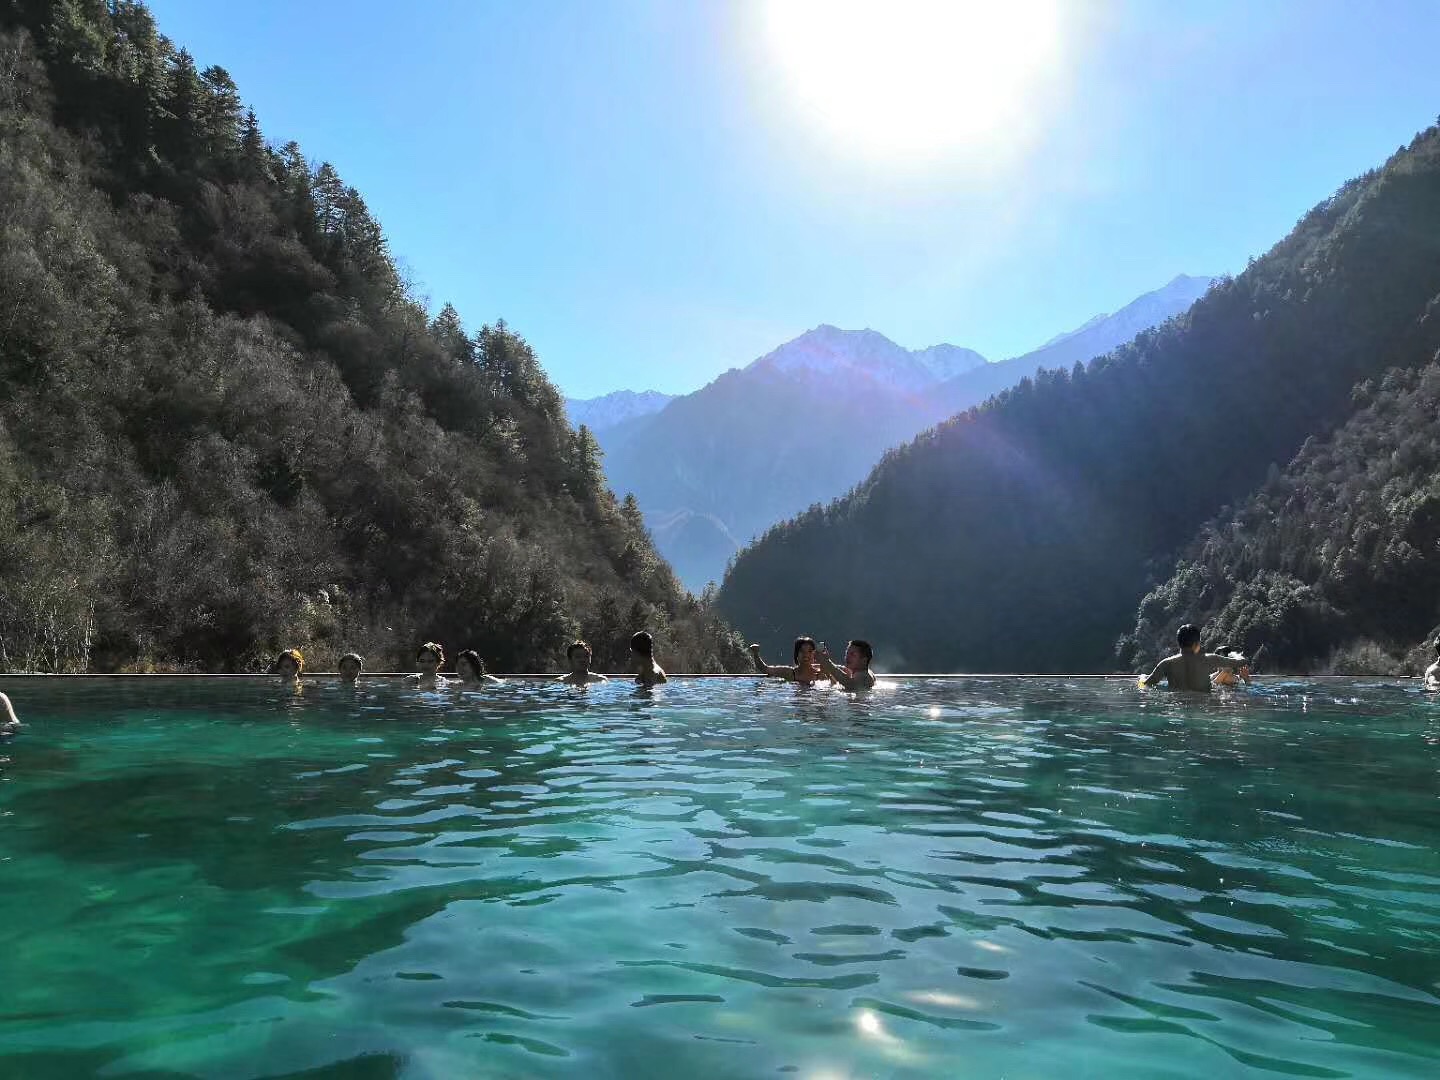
858	654
642	644
1188	637
289	663
804	646
430	654
578	653
468	665
350	666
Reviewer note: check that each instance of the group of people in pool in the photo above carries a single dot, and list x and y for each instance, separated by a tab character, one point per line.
812	665
1188	669
470	668
1193	669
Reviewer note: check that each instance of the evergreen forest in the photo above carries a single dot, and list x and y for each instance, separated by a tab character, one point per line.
227	425
1265	463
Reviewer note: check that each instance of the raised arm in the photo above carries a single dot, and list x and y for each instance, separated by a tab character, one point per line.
777	671
839	674
1216	661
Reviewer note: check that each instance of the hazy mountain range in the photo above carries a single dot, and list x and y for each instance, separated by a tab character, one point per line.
802	424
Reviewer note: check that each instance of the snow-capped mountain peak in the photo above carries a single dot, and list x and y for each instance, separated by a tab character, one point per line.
600	413
830	352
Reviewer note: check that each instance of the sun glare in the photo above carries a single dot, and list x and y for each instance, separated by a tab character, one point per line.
917	81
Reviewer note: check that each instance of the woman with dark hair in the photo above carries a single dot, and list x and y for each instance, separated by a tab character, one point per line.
642	652
805	670
470	669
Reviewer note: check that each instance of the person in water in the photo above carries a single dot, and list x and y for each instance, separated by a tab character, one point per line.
1190	669
1228	677
805	670
9	722
288	666
856	674
470	669
642	654
350	666
428	659
1432	673
579	655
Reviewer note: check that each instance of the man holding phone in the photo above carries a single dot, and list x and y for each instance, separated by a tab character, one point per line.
856	674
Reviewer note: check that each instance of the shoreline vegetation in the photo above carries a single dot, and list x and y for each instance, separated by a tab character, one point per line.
227	422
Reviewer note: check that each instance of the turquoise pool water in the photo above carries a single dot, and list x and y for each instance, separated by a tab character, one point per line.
974	878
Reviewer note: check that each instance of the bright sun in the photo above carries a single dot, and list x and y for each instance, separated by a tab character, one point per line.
917	80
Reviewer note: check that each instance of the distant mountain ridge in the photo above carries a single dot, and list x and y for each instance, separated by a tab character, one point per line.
601	413
805	422
869	356
1094	337
1104	332
1023	535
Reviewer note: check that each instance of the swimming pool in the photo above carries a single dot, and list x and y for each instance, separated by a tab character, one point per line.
978	878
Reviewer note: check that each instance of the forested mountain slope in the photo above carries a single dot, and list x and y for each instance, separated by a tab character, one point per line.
1339	552
225	426
1022	534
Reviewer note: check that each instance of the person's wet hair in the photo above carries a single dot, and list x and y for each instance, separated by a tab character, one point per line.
473	658
431	647
289	654
864	648
1187	636
643	644
576	644
800	643
351	658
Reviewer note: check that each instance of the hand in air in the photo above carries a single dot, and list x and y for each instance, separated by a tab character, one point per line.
754	650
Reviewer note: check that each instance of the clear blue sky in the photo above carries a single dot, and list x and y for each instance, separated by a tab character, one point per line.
648	192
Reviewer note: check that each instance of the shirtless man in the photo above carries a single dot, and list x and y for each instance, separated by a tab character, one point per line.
1190	669
579	655
1432	673
642	652
856	674
804	671
9	722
